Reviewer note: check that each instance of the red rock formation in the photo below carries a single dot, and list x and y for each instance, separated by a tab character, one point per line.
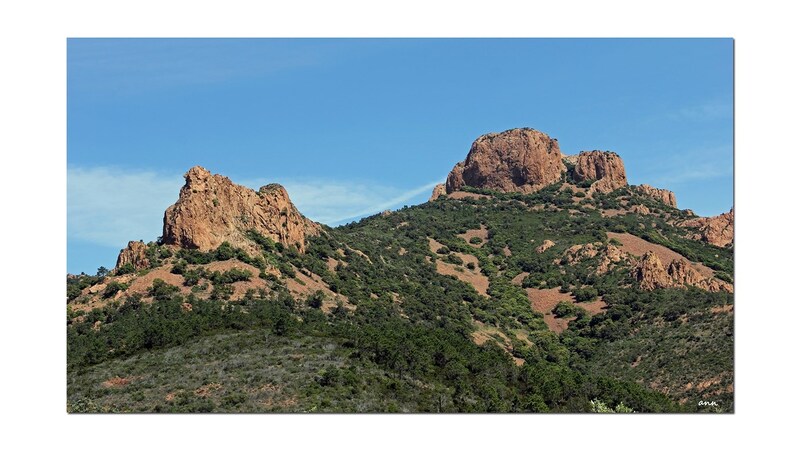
518	160
607	256
211	210
664	196
683	274
650	274
545	245
134	254
438	191
604	168
717	230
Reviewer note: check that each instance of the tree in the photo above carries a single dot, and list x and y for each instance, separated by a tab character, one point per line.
102	271
315	300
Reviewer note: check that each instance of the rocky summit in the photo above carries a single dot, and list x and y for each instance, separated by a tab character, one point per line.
604	169
211	209
518	160
134	254
526	160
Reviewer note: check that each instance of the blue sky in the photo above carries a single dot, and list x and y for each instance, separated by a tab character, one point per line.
352	127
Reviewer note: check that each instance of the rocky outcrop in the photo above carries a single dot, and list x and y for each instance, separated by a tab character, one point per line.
517	160
438	191
717	230
580	252
664	196
640	209
134	254
604	168
545	245
607	256
211	210
651	274
611	256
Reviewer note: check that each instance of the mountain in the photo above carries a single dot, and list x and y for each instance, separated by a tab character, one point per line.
530	282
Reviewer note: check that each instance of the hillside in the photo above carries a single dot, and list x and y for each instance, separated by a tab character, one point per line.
531	282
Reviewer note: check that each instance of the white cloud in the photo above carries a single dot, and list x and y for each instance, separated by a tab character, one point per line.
684	166
335	202
109	206
712	110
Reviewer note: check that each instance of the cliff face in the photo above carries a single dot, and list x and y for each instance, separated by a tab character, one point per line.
438	191
604	168
135	255
211	210
518	160
662	195
651	274
717	230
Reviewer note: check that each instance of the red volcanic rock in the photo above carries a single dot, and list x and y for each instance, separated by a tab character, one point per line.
211	210
438	191
604	168
717	230
650	273
518	160
134	254
662	195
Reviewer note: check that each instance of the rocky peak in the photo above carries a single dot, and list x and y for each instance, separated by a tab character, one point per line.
438	191
604	168
662	195
211	209
517	160
134	254
717	230
650	273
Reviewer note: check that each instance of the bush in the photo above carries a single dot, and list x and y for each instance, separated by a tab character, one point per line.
192	277
179	267
585	294
161	290
453	259
475	240
230	276
114	287
221	292
125	269
315	300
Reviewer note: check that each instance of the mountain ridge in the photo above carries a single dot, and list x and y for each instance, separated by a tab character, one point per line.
539	279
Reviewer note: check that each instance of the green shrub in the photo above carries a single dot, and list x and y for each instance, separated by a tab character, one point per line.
112	288
125	269
585	294
161	290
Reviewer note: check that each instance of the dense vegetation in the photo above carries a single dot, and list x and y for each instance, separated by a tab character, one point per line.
408	343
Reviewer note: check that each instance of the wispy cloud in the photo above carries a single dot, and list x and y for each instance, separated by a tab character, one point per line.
135	65
334	202
710	110
694	164
110	206
694	172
